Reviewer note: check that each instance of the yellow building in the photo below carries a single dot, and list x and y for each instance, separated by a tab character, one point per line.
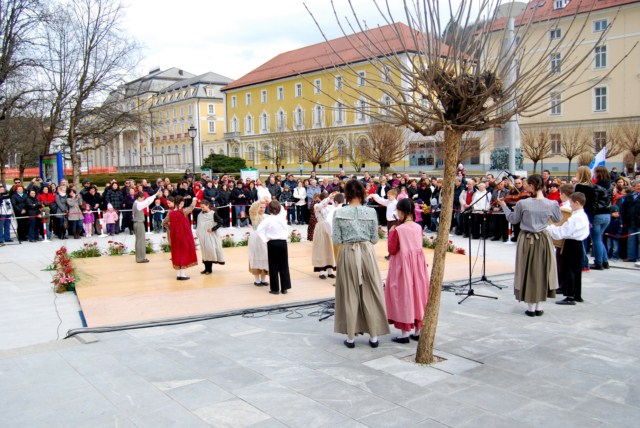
601	114
305	91
170	102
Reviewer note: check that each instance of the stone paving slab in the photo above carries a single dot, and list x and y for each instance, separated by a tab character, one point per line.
574	366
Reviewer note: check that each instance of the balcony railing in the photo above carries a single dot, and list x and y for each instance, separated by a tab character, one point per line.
231	135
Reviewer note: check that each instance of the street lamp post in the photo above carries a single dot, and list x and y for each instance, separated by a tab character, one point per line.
192	134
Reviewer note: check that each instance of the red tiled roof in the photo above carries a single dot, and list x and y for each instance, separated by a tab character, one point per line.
542	10
389	39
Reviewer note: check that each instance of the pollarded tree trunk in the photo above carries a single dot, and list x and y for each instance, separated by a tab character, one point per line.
535	166
424	353
569	171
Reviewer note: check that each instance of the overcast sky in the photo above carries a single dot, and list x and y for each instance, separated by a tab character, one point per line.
232	37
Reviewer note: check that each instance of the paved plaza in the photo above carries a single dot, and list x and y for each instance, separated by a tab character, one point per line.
574	366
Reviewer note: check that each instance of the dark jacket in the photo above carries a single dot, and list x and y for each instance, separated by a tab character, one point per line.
210	194
631	211
274	189
116	199
223	198
19	203
93	200
252	195
33	206
238	197
590	194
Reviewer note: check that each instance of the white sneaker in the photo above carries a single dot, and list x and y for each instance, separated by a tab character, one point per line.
637	264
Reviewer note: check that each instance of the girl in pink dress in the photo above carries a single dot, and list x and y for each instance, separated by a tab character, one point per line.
407	288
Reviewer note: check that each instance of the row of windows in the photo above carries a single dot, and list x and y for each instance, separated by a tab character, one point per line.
599	59
181	129
600	101
317	88
599	139
181	95
339	112
266	151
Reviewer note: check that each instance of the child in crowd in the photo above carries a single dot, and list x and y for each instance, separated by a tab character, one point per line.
210	243
243	220
110	219
392	213
574	231
418	214
157	214
286	199
612	234
274	231
565	196
87	220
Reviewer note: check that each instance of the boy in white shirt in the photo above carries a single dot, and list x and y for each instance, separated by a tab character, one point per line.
392	213
574	231
274	231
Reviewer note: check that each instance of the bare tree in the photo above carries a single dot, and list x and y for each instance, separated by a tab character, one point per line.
585	158
614	141
276	149
536	145
92	56
19	20
630	141
315	146
387	144
19	137
355	150
468	85
573	143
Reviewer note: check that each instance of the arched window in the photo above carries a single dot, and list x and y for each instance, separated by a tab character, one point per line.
299	117
266	152
280	119
340	148
184	153
264	122
234	124
362	145
251	153
221	151
249	125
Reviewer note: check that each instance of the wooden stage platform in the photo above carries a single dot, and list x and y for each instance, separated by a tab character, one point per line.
116	290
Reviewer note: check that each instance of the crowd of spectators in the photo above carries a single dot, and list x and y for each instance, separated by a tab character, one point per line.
613	204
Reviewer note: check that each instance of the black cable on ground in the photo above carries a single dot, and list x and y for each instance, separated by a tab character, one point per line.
246	313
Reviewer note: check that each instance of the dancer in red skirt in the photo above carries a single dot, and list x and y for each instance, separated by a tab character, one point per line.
183	248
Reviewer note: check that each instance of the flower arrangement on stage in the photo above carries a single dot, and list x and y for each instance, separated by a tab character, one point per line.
116	249
244	241
148	246
64	278
165	247
430	242
228	241
382	234
89	249
295	236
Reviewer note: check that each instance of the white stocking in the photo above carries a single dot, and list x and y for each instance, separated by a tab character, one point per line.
531	306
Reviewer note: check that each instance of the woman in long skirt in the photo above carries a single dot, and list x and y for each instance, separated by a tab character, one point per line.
257	248
322	251
536	273
183	247
359	306
210	244
407	288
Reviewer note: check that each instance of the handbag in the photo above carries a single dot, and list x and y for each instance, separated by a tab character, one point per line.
65	223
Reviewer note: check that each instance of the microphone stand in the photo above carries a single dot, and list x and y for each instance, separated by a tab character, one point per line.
470	292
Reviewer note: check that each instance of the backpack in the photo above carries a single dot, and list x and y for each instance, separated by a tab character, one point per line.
603	197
